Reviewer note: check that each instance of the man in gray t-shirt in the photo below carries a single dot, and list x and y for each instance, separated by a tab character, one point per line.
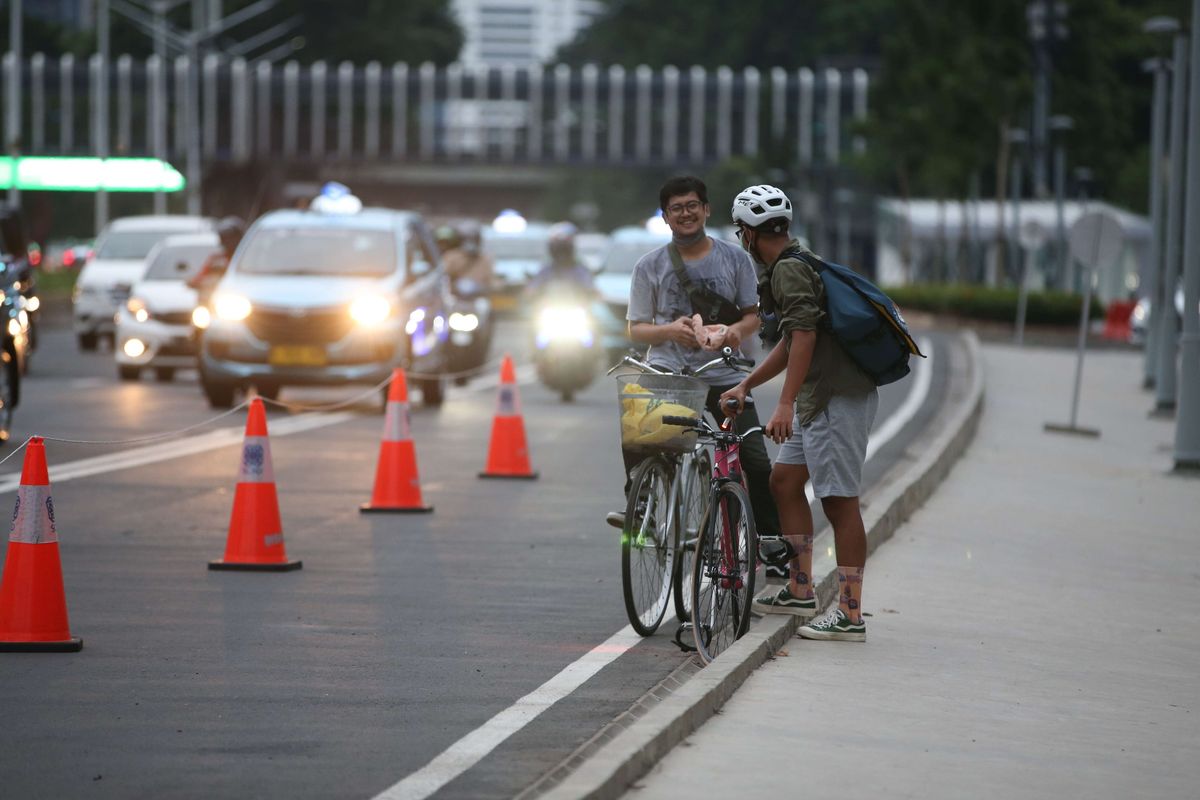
657	298
661	315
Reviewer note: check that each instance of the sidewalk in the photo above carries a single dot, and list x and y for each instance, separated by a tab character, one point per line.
1035	627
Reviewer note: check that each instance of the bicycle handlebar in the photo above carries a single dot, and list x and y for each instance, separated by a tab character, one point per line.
727	357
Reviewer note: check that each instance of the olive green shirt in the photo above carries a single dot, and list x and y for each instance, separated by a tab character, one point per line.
799	296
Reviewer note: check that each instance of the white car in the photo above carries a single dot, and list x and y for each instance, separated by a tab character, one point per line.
626	246
154	327
518	252
120	256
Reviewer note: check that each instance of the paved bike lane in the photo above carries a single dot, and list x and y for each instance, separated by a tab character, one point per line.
1034	631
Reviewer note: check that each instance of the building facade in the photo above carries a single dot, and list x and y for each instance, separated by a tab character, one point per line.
519	32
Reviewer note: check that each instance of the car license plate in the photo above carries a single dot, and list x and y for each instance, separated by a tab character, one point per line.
297	356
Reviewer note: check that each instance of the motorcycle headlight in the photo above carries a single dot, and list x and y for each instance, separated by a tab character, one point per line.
232	307
370	309
201	317
137	307
564	322
463	322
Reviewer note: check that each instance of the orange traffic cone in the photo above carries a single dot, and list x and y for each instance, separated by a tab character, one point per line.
33	607
508	456
255	532
397	485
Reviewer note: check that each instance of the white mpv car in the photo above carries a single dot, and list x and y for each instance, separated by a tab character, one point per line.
154	327
120	256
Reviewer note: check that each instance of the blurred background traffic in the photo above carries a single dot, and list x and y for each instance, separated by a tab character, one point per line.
300	192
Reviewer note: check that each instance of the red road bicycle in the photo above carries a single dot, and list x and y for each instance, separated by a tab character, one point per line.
725	551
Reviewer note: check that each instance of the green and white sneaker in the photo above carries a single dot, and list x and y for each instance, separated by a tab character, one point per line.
782	602
834	626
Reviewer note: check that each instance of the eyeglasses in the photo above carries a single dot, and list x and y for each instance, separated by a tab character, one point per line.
739	231
691	207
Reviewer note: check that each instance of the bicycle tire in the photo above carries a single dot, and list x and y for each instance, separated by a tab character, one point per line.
692	507
647	546
723	589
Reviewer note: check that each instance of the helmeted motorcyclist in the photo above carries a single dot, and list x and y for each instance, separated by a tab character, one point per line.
468	266
230	231
563	269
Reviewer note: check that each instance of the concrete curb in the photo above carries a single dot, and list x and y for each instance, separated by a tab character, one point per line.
608	773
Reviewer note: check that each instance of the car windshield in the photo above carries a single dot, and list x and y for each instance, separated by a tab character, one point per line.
517	248
178	263
134	244
623	256
319	251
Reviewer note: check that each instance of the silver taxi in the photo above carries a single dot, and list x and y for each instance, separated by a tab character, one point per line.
328	297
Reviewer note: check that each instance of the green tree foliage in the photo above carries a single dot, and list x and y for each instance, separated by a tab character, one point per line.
760	33
948	75
366	30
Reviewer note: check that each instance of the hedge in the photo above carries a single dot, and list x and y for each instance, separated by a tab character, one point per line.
987	303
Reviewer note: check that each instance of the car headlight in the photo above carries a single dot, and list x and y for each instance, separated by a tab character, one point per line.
370	309
463	322
232	307
201	317
137	307
14	328
414	321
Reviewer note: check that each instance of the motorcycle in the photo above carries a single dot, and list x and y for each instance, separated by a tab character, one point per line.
566	347
471	328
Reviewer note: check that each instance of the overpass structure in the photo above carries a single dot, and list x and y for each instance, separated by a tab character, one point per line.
423	122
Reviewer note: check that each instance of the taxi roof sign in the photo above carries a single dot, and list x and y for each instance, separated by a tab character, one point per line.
68	174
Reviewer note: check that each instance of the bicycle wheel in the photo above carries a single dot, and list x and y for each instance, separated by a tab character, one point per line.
723	575
695	496
647	552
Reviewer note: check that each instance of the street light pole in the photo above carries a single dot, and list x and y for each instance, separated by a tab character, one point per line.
13	129
1061	125
1166	379
101	120
1187	425
1160	68
1016	138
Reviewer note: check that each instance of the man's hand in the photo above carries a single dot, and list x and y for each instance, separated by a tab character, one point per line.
779	429
680	332
738	393
732	337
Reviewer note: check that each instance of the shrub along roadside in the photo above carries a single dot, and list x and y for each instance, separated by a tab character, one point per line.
1000	304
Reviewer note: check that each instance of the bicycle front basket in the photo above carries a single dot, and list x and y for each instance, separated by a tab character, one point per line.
646	398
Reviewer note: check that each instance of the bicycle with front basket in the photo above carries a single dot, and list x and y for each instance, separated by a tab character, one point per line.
669	490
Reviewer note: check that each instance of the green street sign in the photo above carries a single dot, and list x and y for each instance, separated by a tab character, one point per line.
46	174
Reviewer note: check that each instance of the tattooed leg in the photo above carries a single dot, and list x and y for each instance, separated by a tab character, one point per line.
801	565
850	592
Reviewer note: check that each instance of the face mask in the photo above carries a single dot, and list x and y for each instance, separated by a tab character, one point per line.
688	241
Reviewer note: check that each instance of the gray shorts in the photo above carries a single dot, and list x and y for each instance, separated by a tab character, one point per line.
834	445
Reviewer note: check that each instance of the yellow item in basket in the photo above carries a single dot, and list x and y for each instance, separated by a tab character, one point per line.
633	407
653	431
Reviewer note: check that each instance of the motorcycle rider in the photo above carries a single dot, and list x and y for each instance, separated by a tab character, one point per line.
469	267
230	231
563	270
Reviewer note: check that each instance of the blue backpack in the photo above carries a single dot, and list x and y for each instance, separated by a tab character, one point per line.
865	321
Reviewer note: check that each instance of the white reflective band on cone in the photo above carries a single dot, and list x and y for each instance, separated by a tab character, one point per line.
33	518
507	404
256	461
395	423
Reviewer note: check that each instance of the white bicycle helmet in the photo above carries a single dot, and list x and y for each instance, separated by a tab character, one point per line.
756	205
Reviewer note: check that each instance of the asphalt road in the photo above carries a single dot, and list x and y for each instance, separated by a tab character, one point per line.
399	636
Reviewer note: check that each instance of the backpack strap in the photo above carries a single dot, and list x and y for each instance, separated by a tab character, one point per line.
680	270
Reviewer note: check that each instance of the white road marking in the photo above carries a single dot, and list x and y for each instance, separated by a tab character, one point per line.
164	451
470	749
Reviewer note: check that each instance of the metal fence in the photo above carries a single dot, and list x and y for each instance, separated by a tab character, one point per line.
235	111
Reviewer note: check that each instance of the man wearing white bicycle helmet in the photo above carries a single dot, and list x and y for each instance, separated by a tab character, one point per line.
825	411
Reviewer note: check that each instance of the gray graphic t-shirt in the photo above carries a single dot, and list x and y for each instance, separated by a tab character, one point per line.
656	297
